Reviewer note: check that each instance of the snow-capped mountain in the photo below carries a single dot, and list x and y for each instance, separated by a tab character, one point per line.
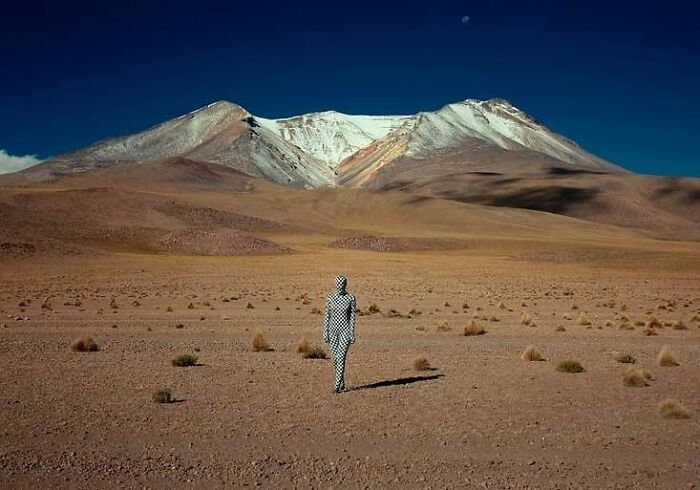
331	148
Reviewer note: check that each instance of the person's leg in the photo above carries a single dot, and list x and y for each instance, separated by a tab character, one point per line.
340	366
335	352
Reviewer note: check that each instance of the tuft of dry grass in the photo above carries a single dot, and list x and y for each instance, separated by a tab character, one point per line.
583	320
653	322
666	357
673	409
531	354
315	352
473	328
679	325
185	360
86	344
443	327
569	366
373	308
163	395
624	358
303	346
526	319
421	364
259	343
636	377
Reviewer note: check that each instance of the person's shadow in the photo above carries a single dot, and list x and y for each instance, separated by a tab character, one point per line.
397	382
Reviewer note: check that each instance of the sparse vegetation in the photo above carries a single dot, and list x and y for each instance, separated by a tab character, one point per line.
560	328
653	322
473	328
679	325
526	319
86	344
443	327
421	363
666	357
636	377
569	366
303	346
163	395
373	308
260	344
650	331
583	320
392	313
673	409
315	352
185	360
625	358
531	354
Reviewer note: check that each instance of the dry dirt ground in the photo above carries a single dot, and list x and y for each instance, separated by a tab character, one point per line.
481	418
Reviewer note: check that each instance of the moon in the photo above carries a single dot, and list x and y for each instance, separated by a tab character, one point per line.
465	19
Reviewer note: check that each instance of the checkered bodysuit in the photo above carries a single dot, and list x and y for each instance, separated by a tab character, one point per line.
339	328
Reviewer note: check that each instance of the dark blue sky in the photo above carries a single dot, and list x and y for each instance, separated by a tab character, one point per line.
620	78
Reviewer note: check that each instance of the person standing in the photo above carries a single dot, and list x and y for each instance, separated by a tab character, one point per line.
339	328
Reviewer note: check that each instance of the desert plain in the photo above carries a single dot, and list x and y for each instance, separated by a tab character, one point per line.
422	269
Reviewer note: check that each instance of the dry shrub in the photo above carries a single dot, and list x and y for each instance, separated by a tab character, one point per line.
315	352
560	328
86	344
531	354
636	377
249	306
673	409
473	328
679	325
444	327
163	395
259	343
625	358
666	357
653	322
421	364
185	360
583	320
303	346
569	366
650	331
526	319
394	314
373	308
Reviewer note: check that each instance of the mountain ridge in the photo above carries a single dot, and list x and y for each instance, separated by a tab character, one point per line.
317	149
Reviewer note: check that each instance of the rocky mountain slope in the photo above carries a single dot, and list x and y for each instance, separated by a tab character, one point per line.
327	148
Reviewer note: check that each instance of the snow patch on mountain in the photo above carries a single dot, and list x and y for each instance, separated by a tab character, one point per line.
332	136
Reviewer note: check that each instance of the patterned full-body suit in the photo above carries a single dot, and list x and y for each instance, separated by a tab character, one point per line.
339	328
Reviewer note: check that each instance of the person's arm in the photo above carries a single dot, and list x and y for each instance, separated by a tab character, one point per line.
327	320
353	307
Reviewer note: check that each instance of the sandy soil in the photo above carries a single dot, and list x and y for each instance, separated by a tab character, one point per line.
482	418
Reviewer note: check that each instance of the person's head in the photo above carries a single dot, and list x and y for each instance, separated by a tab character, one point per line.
341	283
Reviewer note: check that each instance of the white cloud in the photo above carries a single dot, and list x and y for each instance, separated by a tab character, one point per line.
10	163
